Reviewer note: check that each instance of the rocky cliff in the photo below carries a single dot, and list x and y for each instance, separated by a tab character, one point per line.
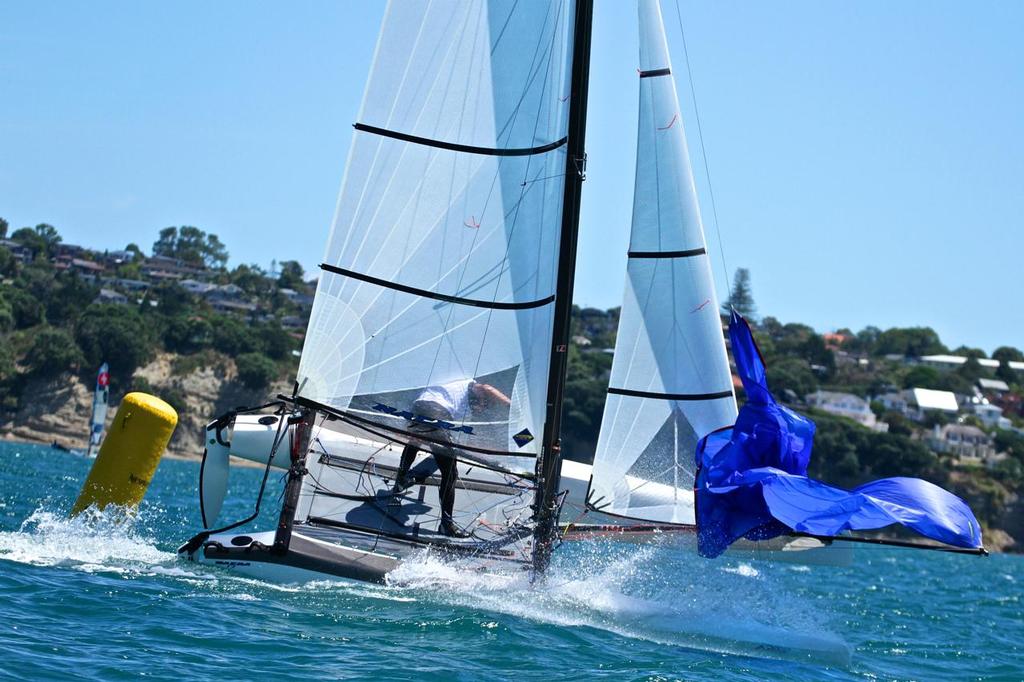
58	409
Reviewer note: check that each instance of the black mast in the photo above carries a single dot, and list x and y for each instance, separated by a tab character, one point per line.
549	464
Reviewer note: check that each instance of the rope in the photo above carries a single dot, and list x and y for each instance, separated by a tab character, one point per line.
703	152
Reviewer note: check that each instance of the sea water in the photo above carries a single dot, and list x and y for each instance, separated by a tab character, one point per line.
103	597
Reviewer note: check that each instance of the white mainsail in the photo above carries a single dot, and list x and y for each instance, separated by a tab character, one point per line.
441	264
670	382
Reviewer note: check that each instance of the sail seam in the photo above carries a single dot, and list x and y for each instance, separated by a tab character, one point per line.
655	72
688	253
452	146
669	396
424	293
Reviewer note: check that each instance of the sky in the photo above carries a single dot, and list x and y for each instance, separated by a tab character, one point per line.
866	159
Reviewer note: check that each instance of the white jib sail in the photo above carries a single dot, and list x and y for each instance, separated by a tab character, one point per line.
670	382
442	259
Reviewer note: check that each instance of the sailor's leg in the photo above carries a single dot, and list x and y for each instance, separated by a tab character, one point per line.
449	467
402	480
449	476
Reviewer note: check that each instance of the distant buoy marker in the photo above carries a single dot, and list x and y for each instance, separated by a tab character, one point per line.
130	454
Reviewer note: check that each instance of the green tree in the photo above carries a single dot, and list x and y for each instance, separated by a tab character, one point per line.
187	334
191	245
741	297
1006	355
7	368
50	238
255	370
922	376
252	279
171	299
116	334
968	352
793	374
70	296
8	263
53	351
909	342
3	228
26	309
31	240
275	341
6	317
233	337
291	276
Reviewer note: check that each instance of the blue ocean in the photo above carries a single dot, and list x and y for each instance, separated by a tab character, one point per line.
103	598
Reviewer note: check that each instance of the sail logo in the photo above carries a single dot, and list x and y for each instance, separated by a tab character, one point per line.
420	419
523	437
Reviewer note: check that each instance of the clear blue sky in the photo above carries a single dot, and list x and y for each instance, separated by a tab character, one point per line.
867	158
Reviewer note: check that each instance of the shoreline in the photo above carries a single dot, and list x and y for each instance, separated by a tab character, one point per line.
1000	542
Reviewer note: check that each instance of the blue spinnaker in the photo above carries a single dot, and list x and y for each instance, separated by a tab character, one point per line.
752	478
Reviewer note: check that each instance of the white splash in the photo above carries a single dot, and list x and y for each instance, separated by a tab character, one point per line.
743	569
637	593
89	542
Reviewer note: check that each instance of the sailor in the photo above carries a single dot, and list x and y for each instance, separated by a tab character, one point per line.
451	402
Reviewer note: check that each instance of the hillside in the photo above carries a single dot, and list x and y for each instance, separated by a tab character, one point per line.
206	338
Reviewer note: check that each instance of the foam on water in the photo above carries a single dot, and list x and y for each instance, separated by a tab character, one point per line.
642	594
92	541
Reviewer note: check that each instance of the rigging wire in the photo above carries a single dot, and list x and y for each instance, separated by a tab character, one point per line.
703	151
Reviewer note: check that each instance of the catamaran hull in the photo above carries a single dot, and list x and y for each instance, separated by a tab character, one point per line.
306	559
318	552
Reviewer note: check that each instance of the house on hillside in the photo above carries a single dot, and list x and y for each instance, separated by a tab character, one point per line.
298	298
916	403
111	297
846	405
119	257
950	362
990	415
82	266
195	287
969	444
997	386
166	268
224	305
21	253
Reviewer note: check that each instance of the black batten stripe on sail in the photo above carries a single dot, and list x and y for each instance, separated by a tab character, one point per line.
669	396
689	253
655	72
469	149
494	305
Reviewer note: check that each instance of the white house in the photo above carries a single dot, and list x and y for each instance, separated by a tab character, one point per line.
914	403
845	405
954	361
990	415
968	443
993	385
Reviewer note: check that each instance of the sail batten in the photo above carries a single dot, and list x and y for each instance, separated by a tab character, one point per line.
441	144
670	382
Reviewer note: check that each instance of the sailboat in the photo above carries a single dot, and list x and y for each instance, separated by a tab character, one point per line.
98	417
436	352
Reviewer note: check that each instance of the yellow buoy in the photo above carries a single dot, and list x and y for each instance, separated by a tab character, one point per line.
130	453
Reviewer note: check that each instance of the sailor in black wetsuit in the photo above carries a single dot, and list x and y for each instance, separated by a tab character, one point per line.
449	402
